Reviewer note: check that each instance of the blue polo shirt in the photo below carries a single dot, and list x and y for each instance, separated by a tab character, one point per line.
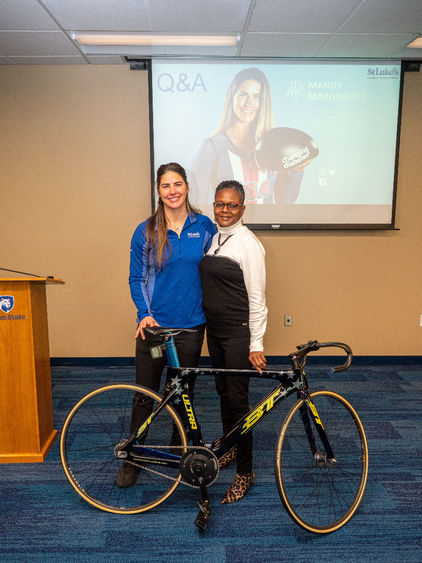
172	294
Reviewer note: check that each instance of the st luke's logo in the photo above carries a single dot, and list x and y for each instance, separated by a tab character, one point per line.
7	302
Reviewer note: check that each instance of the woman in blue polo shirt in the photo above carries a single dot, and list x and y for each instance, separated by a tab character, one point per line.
165	283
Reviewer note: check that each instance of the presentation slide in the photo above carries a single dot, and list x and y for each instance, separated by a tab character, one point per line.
313	143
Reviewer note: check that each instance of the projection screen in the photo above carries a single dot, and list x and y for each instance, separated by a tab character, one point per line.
314	143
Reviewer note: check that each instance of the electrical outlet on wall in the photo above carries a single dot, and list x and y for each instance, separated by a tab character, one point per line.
288	320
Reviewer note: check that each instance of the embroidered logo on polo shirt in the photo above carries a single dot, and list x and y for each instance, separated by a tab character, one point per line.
194	235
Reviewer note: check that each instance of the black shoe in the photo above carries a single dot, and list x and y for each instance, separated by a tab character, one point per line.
127	475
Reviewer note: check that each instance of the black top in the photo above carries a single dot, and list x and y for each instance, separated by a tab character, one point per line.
224	294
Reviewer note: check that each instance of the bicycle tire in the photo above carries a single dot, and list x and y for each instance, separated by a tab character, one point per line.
92	429
320	498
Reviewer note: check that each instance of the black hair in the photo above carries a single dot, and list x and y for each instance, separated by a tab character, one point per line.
231	185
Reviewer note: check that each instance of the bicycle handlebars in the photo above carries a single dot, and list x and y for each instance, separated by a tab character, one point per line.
299	358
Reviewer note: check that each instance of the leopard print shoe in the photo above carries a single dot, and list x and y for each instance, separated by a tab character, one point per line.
239	487
228	457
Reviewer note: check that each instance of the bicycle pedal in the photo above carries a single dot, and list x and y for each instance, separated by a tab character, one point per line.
202	520
203	515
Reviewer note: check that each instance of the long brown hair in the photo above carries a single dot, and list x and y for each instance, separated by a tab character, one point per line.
158	246
263	121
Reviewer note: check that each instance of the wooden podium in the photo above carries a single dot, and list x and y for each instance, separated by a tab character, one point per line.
26	406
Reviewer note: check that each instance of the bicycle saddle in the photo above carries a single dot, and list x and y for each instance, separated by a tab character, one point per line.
161	330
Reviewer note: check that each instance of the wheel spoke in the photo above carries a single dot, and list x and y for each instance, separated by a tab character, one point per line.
320	496
93	429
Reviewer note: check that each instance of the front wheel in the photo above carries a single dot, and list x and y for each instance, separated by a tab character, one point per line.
321	492
89	445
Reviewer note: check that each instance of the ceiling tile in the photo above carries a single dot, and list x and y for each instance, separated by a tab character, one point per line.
282	44
24	14
97	15
24	43
277	28
300	16
383	16
363	45
193	16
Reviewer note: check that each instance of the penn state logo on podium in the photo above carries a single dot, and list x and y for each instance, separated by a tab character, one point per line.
7	302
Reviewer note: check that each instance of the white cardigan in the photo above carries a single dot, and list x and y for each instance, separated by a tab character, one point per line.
246	250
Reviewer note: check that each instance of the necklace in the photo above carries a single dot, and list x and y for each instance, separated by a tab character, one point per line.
175	228
220	244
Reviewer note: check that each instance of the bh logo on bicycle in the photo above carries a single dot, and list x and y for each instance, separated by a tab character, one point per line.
7	302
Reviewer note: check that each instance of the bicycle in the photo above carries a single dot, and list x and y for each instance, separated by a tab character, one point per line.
321	457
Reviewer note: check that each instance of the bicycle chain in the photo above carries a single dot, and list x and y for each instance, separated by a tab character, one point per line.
168	476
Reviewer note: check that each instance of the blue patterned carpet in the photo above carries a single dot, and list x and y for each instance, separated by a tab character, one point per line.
43	519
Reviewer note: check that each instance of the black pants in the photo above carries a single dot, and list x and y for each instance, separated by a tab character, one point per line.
148	371
229	348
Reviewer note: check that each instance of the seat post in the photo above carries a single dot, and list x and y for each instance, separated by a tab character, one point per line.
172	357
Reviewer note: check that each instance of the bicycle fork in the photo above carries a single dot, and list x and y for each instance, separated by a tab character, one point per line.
308	412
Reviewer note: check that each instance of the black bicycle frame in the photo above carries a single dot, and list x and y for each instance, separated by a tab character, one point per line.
289	382
176	393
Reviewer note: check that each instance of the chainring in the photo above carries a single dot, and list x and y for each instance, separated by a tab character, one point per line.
199	462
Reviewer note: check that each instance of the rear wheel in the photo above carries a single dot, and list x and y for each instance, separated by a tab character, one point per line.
322	494
95	427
